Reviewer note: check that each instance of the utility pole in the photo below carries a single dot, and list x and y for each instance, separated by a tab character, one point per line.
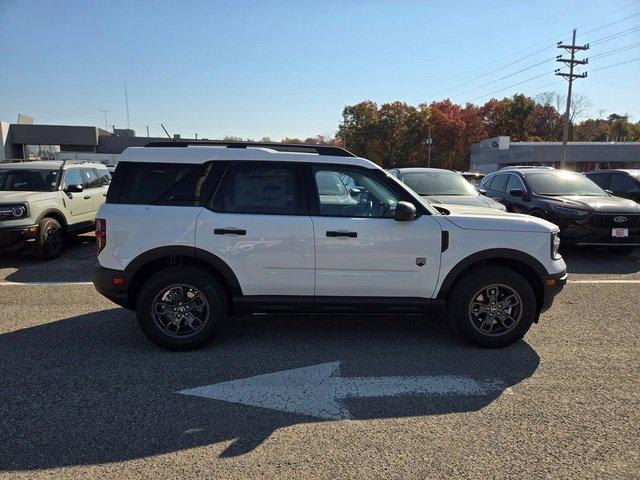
429	142
106	125
572	49
126	102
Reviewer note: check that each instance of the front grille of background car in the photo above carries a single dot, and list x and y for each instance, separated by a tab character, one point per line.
603	220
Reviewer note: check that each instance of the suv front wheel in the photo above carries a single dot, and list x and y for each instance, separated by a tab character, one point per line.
491	306
179	308
50	239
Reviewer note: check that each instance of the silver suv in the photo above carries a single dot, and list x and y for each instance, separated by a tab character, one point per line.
43	202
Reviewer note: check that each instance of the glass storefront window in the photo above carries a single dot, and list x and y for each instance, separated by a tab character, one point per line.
41	152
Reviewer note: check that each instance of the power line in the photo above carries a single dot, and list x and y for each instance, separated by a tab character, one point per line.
507	87
609	24
615	36
615	51
509	75
616	64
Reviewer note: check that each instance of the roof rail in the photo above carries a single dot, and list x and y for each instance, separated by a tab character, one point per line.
280	147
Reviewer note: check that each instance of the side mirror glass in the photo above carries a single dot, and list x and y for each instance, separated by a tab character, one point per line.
73	189
405	212
482	191
355	191
610	192
516	192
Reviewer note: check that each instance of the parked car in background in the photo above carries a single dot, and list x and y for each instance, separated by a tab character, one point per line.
621	183
438	185
43	202
585	213
474	178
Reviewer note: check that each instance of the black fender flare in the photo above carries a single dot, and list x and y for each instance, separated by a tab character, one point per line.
201	255
490	254
49	211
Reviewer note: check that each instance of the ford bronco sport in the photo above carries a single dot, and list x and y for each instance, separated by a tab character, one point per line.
190	234
42	202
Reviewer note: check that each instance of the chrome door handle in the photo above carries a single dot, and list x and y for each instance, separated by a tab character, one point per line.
229	231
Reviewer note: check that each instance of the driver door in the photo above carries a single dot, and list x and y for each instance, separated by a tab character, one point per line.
361	251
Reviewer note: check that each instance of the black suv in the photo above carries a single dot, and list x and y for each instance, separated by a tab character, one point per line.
621	183
585	213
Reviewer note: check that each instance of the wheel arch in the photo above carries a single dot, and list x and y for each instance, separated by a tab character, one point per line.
53	213
520	262
154	260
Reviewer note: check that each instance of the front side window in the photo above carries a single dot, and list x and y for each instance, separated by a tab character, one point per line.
514	183
254	188
599	179
90	178
182	185
438	183
20	180
368	197
563	183
622	183
73	177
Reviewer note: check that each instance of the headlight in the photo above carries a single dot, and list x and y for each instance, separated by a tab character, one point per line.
12	212
570	212
555	246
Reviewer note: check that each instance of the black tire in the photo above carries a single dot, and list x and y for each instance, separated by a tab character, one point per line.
151	297
50	239
463	297
621	250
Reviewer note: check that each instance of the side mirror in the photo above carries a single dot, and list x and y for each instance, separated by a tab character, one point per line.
355	191
405	212
610	192
74	189
482	191
516	192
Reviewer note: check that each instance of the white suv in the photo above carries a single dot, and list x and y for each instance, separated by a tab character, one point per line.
190	234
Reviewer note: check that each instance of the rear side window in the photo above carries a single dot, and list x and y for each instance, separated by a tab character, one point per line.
90	178
499	182
260	188
183	185
622	183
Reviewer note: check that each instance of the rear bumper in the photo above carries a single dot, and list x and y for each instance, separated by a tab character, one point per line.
552	286
10	236
113	284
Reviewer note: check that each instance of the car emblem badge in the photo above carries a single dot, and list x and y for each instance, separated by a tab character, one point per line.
620	219
421	261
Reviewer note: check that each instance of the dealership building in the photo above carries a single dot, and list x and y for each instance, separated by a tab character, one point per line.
495	153
58	142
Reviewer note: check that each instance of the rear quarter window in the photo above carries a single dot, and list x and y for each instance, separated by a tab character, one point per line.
170	184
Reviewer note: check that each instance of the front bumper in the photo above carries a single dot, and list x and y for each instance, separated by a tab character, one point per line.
552	286
113	284
10	236
597	231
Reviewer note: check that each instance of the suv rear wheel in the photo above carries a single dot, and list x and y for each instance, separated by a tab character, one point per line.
491	306
179	308
50	239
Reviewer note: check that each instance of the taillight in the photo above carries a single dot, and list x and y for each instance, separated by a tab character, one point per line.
101	234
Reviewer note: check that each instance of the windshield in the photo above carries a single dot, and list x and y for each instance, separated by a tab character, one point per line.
563	183
21	180
438	183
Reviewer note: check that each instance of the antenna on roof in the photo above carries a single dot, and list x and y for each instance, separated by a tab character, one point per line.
165	131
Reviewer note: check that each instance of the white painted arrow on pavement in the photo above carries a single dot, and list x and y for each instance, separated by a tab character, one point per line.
316	390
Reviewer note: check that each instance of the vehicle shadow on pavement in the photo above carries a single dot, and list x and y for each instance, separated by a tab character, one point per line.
74	265
91	389
599	260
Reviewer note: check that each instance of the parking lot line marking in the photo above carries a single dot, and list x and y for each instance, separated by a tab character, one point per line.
603	281
40	284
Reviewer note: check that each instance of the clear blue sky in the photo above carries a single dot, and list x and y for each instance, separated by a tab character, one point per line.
287	68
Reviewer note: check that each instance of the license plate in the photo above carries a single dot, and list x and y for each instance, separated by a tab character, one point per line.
620	232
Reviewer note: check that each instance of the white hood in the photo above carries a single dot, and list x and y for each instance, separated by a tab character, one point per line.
478	218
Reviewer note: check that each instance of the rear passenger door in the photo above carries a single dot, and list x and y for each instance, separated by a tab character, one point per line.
258	224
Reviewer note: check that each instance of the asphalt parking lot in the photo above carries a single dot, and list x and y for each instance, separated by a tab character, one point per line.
84	395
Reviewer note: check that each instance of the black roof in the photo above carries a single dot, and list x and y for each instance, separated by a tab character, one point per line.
280	147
